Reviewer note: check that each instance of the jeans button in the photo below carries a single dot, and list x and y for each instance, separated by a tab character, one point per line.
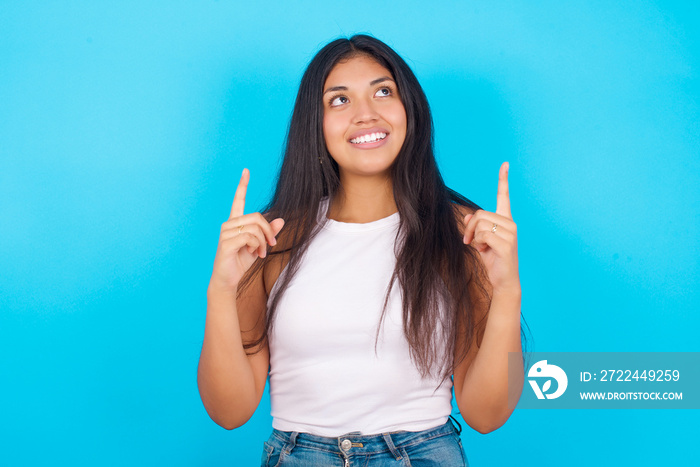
346	444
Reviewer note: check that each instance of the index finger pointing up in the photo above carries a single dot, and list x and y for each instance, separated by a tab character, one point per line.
239	197
503	197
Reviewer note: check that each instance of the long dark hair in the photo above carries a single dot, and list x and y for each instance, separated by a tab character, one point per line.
441	279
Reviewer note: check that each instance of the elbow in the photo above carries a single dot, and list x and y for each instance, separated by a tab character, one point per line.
226	414
228	424
486	418
487	412
487	423
487	426
228	421
226	409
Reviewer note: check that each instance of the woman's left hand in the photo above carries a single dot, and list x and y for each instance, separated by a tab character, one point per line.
494	236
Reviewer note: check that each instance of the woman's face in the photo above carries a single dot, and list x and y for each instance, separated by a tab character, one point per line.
364	121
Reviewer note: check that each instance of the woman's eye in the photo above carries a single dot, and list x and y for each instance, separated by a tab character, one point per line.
338	100
383	92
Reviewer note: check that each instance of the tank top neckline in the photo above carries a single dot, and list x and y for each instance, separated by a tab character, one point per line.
331	224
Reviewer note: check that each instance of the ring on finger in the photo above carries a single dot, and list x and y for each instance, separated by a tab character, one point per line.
494	228
240	228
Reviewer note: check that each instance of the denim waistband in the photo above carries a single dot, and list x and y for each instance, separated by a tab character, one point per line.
356	443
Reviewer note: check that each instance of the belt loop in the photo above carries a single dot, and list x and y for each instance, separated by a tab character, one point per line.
390	443
292	441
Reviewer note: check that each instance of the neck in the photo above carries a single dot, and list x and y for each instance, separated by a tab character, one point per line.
363	200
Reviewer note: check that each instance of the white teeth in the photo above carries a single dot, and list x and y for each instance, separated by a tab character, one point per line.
370	138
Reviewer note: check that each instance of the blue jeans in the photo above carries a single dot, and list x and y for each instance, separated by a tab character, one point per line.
440	446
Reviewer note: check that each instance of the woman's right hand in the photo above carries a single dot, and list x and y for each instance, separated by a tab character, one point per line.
243	239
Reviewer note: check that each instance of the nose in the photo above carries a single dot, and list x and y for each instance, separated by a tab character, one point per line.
365	111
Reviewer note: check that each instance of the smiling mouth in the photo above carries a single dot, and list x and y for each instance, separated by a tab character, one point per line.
370	138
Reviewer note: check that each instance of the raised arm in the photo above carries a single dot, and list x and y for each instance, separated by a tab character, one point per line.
481	381
231	383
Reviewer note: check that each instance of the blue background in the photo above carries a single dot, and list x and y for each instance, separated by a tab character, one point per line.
124	127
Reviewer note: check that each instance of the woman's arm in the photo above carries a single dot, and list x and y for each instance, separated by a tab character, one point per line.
481	380
231	383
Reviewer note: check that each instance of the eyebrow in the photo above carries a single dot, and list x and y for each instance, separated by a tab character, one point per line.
371	83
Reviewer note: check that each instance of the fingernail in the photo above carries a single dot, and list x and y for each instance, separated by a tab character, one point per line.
274	241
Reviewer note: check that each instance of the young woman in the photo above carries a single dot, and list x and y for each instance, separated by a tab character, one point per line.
367	289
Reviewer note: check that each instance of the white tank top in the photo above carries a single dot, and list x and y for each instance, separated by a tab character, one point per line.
325	377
